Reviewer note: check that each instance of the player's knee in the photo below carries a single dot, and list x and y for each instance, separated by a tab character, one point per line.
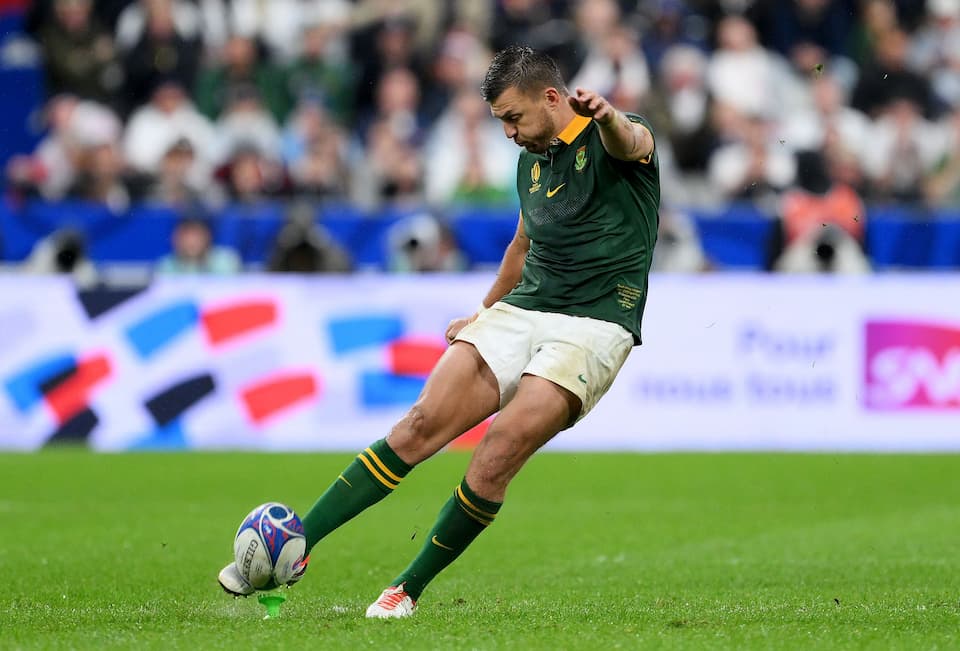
496	460
410	437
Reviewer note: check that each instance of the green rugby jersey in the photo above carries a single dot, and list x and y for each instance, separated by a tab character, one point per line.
592	223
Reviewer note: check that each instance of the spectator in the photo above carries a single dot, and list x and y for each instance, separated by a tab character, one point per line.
458	66
187	18
315	150
877	18
888	78
422	243
593	20
806	129
161	54
424	18
278	23
156	126
195	253
755	167
669	24
101	176
466	156
517	21
78	53
390	47
741	76
935	51
810	32
398	106
241	68
40	12
303	247
680	107
616	68
251	178
323	71
246	123
50	170
942	186
177	184
77	127
391	169
901	150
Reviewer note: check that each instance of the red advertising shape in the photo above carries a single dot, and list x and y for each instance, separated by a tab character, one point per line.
469	439
268	397
72	396
414	356
225	323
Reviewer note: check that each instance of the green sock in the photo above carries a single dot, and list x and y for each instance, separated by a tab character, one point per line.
368	479
461	520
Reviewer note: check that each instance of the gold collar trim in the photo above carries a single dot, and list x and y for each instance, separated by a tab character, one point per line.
573	129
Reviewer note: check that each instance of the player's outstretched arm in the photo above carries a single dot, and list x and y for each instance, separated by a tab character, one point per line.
623	139
507	277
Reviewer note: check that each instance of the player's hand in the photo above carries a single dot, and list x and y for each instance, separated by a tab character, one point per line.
592	105
457	325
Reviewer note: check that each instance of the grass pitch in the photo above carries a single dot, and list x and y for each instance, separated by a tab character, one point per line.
590	552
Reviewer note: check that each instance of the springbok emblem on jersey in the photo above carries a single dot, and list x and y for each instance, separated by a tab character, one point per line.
581	160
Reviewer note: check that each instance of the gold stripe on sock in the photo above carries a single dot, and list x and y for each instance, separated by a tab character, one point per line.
481	516
473	516
383	466
376	473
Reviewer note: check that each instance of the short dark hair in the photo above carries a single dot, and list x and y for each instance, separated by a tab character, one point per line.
523	68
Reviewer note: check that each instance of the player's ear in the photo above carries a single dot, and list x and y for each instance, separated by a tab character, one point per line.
553	97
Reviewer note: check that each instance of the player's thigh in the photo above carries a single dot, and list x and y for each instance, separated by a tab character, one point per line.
460	393
537	412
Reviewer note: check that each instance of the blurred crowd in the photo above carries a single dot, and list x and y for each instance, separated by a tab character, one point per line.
809	108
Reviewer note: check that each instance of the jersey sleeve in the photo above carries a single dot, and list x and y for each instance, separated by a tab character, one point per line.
639	119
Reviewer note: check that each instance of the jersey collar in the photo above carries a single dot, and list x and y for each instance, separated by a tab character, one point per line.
573	129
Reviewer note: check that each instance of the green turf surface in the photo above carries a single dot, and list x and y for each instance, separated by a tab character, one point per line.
589	552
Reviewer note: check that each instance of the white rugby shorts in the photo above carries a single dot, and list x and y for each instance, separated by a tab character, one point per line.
580	354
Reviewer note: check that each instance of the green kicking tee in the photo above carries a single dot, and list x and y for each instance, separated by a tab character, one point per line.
592	222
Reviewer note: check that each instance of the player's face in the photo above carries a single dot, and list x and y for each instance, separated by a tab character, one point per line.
527	118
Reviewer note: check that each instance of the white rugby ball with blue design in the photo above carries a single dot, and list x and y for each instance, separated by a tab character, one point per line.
268	544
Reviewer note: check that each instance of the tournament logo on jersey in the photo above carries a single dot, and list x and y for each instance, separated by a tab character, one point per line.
535	177
581	160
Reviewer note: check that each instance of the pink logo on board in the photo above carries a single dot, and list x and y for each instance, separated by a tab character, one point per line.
911	365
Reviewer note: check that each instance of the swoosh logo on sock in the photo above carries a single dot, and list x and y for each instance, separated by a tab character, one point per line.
345	481
440	544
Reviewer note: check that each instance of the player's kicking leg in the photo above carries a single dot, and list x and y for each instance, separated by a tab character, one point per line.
460	393
539	410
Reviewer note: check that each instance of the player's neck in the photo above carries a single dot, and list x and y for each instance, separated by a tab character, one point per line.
564	115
